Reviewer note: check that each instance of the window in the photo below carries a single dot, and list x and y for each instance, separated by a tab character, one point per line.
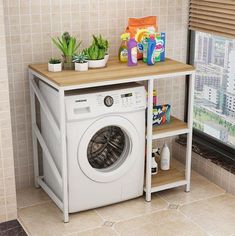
214	106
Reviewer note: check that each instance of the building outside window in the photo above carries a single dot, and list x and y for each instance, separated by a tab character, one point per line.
214	107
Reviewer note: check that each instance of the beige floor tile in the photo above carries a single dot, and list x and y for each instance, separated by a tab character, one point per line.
30	197
101	231
46	220
201	188
162	223
131	208
215	215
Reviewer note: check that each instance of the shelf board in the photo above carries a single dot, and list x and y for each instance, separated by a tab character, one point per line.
114	72
175	127
167	179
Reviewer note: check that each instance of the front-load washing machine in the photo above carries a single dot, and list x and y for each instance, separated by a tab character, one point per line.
105	144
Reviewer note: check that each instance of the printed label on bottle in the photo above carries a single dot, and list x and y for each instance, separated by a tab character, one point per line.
124	55
159	49
140	47
134	55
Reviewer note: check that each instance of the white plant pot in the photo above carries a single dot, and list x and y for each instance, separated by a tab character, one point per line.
81	66
55	67
96	63
106	57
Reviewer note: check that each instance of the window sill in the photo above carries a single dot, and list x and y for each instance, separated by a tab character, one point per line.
211	155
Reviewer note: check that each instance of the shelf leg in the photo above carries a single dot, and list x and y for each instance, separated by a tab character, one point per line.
64	156
34	138
149	141
190	134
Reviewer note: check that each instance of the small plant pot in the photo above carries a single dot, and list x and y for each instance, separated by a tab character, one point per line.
55	67
81	66
106	57
68	63
96	63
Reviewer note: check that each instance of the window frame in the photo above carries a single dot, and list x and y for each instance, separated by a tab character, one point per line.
199	136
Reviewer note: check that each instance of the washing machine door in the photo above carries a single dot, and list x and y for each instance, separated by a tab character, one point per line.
108	149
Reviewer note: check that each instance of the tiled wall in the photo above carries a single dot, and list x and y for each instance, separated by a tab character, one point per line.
215	173
7	178
31	23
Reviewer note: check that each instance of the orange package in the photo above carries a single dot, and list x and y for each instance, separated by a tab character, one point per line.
140	28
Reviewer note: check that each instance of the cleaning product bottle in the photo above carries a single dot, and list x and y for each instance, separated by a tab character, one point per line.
132	52
154	165
123	52
165	157
145	49
151	50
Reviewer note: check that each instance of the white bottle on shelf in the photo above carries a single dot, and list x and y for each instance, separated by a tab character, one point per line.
165	158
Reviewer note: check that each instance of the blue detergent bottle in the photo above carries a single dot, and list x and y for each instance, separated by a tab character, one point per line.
151	50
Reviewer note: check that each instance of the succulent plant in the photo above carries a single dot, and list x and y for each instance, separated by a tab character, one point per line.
98	48
54	60
67	44
80	58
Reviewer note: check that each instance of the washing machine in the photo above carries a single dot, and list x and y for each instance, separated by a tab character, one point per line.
105	144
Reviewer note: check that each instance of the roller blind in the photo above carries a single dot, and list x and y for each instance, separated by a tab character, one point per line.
213	16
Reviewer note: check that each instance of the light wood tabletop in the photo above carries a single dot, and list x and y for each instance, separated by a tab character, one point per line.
114	71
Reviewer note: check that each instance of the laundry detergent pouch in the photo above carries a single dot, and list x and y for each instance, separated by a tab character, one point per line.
161	114
140	28
160	47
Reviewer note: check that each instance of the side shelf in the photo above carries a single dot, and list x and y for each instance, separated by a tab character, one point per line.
167	179
175	127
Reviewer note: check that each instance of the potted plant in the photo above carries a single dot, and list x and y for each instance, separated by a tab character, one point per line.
81	63
96	52
54	65
68	45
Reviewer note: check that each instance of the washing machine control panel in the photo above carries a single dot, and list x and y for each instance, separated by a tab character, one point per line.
87	105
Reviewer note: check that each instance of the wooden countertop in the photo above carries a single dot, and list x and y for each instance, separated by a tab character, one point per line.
114	71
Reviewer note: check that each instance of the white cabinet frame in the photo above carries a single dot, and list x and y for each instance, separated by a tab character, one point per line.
60	133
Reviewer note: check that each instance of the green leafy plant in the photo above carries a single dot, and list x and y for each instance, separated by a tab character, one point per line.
98	48
80	58
67	44
54	60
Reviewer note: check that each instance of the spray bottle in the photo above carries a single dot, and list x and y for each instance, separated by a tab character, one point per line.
123	52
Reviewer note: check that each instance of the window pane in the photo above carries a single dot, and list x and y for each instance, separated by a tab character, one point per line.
214	108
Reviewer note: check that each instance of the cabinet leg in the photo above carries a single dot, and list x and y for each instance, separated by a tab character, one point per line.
34	138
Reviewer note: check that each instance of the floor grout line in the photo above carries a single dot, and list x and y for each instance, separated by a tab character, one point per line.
202	199
194	222
23	226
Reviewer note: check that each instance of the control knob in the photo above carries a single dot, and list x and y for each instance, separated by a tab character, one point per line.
108	101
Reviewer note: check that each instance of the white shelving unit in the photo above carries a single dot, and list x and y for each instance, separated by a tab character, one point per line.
114	73
173	177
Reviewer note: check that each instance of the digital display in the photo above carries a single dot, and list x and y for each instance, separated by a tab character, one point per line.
127	95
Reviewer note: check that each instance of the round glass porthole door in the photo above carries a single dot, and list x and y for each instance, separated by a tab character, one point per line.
108	148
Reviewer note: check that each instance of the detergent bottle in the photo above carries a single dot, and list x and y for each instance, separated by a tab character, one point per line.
132	52
123	50
145	49
151	50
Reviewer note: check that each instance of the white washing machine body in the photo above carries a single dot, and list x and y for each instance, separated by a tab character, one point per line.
105	144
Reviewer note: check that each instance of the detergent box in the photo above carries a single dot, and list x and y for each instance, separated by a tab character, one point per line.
161	114
160	47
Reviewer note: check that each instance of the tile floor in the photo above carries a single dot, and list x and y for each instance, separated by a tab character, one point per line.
206	210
